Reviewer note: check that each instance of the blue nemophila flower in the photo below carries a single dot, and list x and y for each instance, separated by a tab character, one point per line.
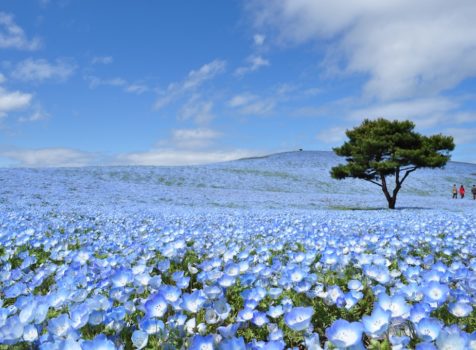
59	326
350	301
412	291
56	344
163	265
226	281
275	333
452	338
435	292
213	292
299	318
232	269
251	303
222	308
15	291
3	316
100	342
211	317
152	326
155	281
245	315
27	313
12	331
139	339
312	342
271	345
190	326
170	293
296	274
202	343
355	285
144	278
345	334
275	311
303	286
193	302
330	257
460	309
30	333
274	293
425	346
419	311
79	316
121	277
335	295
233	344
381	274
259	318
377	323
396	304
96	317
156	306
429	328
256	294
228	331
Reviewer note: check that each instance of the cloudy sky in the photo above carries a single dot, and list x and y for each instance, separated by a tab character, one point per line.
192	81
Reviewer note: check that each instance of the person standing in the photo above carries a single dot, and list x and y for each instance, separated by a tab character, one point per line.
461	191
455	192
473	191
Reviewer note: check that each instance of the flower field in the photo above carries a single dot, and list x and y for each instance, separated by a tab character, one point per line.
121	269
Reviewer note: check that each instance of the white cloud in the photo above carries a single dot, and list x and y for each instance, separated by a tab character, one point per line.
102	60
254	63
199	111
194	80
332	135
13	100
136	88
13	36
206	72
241	100
462	135
40	69
259	39
95	82
48	157
425	112
133	88
185	147
194	138
36	116
2	78
172	157
259	107
250	104
406	48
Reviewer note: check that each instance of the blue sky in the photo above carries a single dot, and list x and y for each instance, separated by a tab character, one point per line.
187	82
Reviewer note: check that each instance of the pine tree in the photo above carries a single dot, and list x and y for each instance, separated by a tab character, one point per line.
379	149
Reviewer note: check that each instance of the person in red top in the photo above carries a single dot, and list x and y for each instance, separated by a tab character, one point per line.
461	191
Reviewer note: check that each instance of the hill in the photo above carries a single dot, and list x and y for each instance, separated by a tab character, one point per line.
291	181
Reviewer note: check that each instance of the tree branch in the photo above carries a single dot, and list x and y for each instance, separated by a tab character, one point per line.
397	181
409	168
407	173
374	182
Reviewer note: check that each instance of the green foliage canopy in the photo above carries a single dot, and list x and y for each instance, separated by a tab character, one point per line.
380	148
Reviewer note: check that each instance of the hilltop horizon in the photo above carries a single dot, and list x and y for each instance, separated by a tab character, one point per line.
293	180
248	158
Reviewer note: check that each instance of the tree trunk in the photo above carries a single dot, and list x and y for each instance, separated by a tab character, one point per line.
390	199
391	202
